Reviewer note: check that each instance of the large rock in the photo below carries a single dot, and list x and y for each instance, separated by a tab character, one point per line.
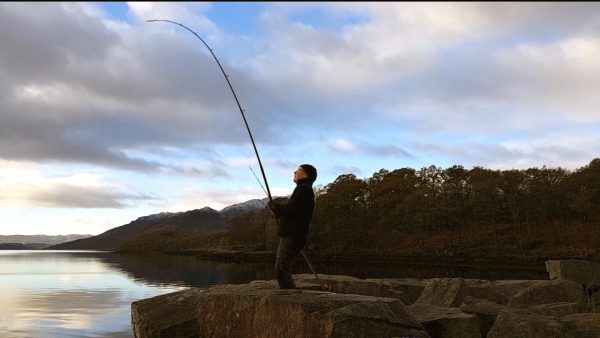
519	323
499	291
550	292
444	292
259	309
583	272
410	287
557	309
583	325
353	285
445	322
485	310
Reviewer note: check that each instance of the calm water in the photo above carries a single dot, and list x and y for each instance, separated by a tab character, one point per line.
89	294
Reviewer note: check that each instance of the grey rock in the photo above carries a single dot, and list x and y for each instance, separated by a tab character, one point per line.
411	287
583	272
445	292
555	291
557	309
485	310
446	322
521	323
358	286
583	325
499	291
259	309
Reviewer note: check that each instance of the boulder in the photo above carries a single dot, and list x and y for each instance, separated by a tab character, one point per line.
583	272
499	291
485	310
444	292
557	309
555	291
410	287
353	285
446	322
520	323
260	309
583	325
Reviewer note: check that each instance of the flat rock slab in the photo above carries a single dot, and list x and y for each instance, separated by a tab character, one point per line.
410	287
446	322
521	323
444	292
259	309
583	272
499	291
555	291
557	309
485	310
353	285
583	325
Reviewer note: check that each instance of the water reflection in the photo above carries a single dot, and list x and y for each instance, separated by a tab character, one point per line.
88	294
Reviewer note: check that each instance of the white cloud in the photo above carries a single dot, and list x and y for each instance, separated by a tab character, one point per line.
342	145
25	185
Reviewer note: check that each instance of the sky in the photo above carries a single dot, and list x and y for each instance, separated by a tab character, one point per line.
105	117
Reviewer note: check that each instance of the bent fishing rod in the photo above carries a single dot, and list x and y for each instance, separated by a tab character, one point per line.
234	96
237	101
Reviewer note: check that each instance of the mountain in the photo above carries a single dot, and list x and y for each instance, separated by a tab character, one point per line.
197	220
40	239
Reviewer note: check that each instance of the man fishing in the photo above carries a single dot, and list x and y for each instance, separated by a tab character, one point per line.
294	218
296	214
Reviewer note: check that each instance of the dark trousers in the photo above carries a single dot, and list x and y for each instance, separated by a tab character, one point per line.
287	252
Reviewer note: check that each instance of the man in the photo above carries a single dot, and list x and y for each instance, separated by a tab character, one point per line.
294	218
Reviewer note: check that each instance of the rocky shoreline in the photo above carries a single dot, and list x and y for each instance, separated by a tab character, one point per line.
566	305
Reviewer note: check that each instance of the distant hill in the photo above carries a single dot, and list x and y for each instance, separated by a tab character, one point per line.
198	220
22	246
40	239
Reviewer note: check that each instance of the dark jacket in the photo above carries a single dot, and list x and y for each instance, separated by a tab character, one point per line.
295	216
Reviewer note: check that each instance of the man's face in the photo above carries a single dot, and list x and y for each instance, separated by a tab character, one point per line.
299	174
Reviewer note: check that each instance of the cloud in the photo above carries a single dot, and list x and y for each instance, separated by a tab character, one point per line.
567	150
78	88
340	170
30	186
342	145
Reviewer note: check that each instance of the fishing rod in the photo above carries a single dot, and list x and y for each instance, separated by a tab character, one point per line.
237	101
234	96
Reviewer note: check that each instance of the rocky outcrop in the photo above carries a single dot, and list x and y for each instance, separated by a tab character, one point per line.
583	325
446	322
445	292
585	273
355	307
498	291
550	292
262	310
353	285
485	310
522	323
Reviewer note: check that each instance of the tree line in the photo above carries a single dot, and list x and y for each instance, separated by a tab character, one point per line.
408	209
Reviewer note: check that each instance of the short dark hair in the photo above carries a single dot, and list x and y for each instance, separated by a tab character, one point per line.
310	171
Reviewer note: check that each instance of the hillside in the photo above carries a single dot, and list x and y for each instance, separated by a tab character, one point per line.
192	221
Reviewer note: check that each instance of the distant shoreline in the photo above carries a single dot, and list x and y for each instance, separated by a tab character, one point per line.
378	258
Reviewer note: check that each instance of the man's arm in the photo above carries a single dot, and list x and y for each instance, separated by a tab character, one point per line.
297	206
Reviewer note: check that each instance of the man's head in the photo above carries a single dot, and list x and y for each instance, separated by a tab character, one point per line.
305	171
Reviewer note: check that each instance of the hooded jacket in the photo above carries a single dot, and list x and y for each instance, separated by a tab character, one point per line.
295	215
